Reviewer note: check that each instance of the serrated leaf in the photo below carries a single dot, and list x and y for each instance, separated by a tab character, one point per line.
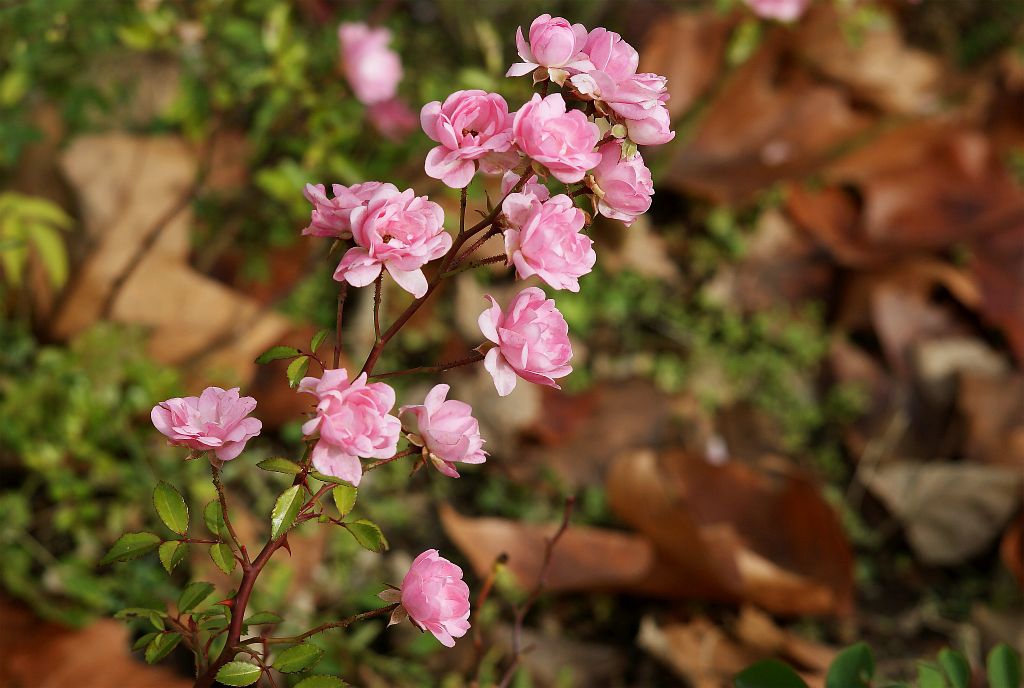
162	646
321	681
957	669
157	621
344	498
298	658
143	641
143	612
276	353
318	339
239	674
279	464
768	673
171	507
1004	670
214	519
324	478
223	557
297	370
131	546
368	534
261	618
172	553
286	508
215	624
929	676
854	667
193	595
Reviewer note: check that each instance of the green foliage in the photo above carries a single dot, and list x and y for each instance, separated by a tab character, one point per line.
854	667
171	507
278	464
298	658
958	671
131	546
1004	667
239	674
286	509
277	353
161	646
344	498
368	534
223	557
321	681
768	673
29	224
172	553
193	595
297	370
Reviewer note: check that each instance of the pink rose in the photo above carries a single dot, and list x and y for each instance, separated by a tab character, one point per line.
554	44
532	341
434	597
548	242
783	10
216	420
399	232
562	141
638	100
532	186
611	55
330	217
624	187
353	421
392	118
447	430
372	69
470	126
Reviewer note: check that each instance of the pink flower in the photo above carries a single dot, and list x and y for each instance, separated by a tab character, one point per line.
624	187
216	420
434	597
611	55
548	242
554	44
353	421
447	430
392	118
532	186
532	341
638	100
372	69
562	141
783	10
399	232
330	217
470	126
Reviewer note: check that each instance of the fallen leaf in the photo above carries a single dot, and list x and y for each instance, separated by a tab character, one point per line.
949	511
993	405
1011	550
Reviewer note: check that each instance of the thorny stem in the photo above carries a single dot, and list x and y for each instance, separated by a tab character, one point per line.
215	468
342	293
493	231
378	283
523	609
400	455
500	258
460	240
439	368
344	623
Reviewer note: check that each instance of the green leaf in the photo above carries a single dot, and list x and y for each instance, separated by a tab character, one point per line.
172	553
280	465
239	674
276	353
157	620
144	612
368	534
285	510
131	546
929	676
49	246
1003	667
324	478
162	646
297	370
261	618
171	507
344	498
768	673
854	667
957	669
143	641
298	658
223	557
214	519
318	339
321	681
192	595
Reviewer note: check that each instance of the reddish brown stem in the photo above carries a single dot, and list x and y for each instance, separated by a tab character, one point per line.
342	293
441	367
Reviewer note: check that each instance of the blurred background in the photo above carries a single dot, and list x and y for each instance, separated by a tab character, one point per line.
796	418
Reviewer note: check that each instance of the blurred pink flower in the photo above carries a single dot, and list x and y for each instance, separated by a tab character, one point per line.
353	421
554	44
217	421
782	10
330	217
448	431
624	187
392	118
399	232
471	126
372	69
561	141
547	241
532	341
434	597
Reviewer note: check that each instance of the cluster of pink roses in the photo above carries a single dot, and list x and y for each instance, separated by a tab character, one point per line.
592	144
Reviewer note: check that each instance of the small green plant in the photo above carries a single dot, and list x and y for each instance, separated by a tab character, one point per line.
32	225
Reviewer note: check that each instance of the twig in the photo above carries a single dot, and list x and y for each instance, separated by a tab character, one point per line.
400	455
377	284
342	293
439	368
344	623
224	513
